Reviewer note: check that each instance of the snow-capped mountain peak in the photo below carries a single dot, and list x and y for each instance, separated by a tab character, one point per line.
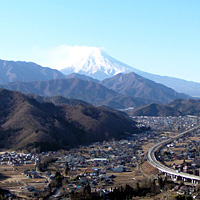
98	65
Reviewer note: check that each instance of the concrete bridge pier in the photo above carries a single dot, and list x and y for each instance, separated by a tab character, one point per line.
194	182
184	179
174	177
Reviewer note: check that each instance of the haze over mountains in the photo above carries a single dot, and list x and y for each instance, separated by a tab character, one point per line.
99	65
131	91
120	91
88	91
134	85
11	71
31	121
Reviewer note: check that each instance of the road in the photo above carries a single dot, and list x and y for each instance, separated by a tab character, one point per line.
154	162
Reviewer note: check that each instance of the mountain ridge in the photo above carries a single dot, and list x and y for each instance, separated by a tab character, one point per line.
88	91
134	85
13	71
28	124
101	66
178	107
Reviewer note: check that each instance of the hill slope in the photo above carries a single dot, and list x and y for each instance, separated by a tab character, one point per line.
180	85
155	110
88	91
178	107
28	124
186	106
134	85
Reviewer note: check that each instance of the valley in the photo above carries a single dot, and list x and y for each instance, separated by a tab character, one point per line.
69	136
103	165
99	100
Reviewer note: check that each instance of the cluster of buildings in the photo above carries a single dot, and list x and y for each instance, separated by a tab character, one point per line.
167	123
185	149
17	159
97	165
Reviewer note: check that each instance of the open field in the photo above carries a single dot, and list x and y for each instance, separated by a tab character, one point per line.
176	162
124	178
12	178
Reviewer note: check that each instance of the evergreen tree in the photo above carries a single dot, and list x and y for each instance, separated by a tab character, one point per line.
67	169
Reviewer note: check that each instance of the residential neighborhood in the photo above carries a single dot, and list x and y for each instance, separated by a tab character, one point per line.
104	166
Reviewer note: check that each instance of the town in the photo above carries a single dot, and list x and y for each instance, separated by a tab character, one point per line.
105	166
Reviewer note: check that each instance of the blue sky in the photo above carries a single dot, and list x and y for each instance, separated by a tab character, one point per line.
161	37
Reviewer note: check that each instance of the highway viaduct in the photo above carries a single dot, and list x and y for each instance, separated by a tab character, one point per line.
168	171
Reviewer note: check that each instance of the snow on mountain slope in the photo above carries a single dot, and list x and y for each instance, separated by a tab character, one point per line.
98	65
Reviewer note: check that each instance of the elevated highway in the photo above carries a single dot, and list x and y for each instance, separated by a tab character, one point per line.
174	173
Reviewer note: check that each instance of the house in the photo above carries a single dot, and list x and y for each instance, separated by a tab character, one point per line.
89	171
118	169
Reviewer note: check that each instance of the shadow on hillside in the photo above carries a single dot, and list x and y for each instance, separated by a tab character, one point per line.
2	177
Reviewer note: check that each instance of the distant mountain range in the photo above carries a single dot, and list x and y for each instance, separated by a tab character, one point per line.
11	71
188	87
28	124
50	121
126	90
119	91
99	65
134	85
89	91
178	107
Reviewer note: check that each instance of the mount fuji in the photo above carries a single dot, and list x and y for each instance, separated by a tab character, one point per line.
99	65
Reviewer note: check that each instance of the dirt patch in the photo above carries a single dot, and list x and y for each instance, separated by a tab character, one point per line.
148	169
129	178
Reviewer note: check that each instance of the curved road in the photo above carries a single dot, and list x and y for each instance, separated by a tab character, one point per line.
153	161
